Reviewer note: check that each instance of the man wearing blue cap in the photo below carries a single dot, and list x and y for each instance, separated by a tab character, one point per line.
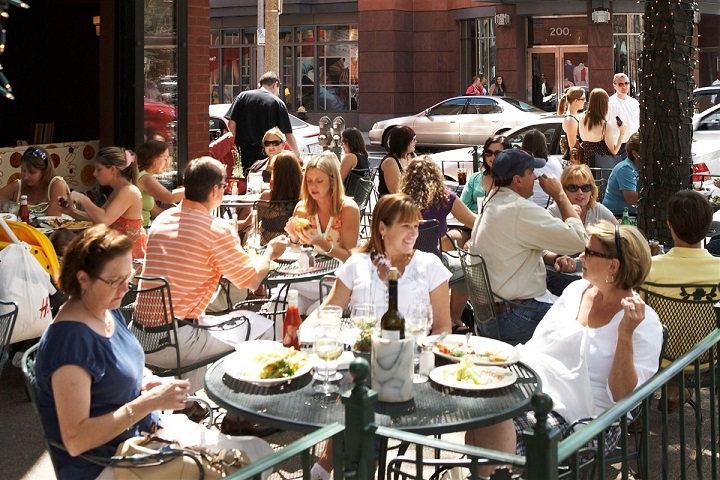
517	238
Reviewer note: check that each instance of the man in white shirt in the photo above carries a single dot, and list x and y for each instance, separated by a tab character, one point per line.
625	107
515	236
716	83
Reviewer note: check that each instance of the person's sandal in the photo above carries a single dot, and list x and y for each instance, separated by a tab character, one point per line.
195	412
460	329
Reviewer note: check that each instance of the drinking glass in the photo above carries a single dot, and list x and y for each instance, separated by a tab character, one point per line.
327	347
417	323
364	317
330	316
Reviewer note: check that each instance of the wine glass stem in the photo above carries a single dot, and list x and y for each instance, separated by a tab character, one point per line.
327	371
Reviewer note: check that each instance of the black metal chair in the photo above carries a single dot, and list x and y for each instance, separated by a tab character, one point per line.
428	239
156	328
133	461
351	181
272	217
8	316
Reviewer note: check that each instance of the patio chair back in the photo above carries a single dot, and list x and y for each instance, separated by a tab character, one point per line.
8	316
361	192
687	310
428	239
480	292
272	217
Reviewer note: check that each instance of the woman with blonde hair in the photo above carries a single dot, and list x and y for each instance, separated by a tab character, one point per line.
324	217
38	181
597	138
273	142
570	104
581	190
116	168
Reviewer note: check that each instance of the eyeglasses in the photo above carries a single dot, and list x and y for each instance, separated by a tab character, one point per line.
120	281
273	143
593	253
222	185
623	84
414	139
491	153
574	188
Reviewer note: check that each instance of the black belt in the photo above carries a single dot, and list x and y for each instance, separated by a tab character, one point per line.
502	307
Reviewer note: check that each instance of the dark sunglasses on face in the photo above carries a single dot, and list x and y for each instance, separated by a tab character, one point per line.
491	153
274	143
574	188
623	84
593	253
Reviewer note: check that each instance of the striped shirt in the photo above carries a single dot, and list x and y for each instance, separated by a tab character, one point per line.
192	249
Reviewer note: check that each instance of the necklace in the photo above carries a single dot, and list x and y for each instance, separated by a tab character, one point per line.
108	322
383	264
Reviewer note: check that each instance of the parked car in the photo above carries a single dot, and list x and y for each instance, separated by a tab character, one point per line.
459	121
160	118
706	97
305	133
705	146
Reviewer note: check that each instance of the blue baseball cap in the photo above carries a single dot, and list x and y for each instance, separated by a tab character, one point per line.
514	161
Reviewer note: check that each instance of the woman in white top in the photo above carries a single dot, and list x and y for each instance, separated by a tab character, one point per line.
581	190
595	345
37	181
597	137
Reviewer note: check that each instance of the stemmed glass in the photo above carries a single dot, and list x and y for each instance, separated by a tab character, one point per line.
327	347
331	316
364	317
418	321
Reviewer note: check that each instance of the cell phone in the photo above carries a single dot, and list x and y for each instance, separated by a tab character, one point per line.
619	122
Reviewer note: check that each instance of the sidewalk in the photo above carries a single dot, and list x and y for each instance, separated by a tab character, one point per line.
25	456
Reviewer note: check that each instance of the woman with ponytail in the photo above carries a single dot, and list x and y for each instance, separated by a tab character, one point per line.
116	168
569	105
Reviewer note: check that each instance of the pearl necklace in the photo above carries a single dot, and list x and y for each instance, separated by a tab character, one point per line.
107	321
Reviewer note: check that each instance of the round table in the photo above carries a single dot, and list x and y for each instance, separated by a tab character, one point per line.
434	410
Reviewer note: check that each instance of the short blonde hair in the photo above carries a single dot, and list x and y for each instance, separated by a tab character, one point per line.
275	131
635	253
326	162
580	173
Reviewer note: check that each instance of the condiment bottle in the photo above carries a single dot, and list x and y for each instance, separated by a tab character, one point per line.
23	212
392	323
292	322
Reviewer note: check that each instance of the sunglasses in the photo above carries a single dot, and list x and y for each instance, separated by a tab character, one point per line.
491	153
120	281
574	188
623	84
593	253
273	143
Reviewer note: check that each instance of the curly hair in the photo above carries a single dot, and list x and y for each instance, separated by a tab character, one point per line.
423	182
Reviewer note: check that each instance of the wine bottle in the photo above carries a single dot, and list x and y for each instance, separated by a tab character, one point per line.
392	323
292	322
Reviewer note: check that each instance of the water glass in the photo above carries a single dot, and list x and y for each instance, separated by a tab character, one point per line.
327	347
418	322
330	316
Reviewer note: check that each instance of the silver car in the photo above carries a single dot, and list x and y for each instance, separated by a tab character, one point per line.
460	121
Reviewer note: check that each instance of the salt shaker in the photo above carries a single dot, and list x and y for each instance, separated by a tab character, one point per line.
427	360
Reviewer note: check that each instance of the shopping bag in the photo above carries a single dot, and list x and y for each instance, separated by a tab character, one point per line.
24	281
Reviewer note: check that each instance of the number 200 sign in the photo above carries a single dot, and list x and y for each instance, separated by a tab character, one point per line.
559	31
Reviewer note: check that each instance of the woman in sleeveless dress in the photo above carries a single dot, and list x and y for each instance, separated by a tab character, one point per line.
152	159
401	148
569	105
116	168
37	181
597	139
356	156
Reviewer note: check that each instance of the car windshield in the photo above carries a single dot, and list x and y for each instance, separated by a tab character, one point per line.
297	123
520	105
706	98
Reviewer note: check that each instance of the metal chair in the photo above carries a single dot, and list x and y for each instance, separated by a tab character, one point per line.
8	316
133	461
428	239
272	217
156	328
351	181
362	193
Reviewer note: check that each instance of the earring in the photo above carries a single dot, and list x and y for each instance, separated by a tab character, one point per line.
611	279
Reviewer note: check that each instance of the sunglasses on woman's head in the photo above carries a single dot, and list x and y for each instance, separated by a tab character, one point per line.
274	143
574	188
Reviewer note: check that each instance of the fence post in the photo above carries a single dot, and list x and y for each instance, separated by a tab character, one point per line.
476	159
541	442
359	444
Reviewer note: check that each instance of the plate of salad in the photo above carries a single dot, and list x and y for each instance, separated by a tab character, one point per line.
468	376
266	363
481	350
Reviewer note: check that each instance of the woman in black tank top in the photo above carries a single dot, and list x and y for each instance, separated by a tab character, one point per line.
401	148
356	156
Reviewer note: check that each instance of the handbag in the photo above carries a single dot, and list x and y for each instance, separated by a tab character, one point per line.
215	464
576	154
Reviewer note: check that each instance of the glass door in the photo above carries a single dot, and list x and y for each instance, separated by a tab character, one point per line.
553	69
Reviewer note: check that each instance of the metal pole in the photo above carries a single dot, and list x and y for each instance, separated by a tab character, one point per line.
272	38
260	65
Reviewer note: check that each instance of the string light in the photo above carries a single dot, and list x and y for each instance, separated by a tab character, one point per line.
667	64
5	87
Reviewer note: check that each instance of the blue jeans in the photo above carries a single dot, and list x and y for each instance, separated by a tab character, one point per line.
518	324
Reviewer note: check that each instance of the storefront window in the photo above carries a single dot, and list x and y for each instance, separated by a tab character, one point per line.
160	72
627	45
477	50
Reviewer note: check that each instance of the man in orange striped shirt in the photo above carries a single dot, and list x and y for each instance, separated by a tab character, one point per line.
191	249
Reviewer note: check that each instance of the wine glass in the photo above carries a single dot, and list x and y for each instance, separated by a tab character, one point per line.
417	323
331	316
364	317
327	347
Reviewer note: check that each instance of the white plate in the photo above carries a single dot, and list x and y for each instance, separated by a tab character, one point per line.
478	345
240	363
445	375
49	218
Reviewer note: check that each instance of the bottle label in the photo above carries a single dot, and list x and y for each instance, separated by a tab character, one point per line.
390	334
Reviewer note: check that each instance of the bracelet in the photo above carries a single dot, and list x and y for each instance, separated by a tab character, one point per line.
332	247
130	415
